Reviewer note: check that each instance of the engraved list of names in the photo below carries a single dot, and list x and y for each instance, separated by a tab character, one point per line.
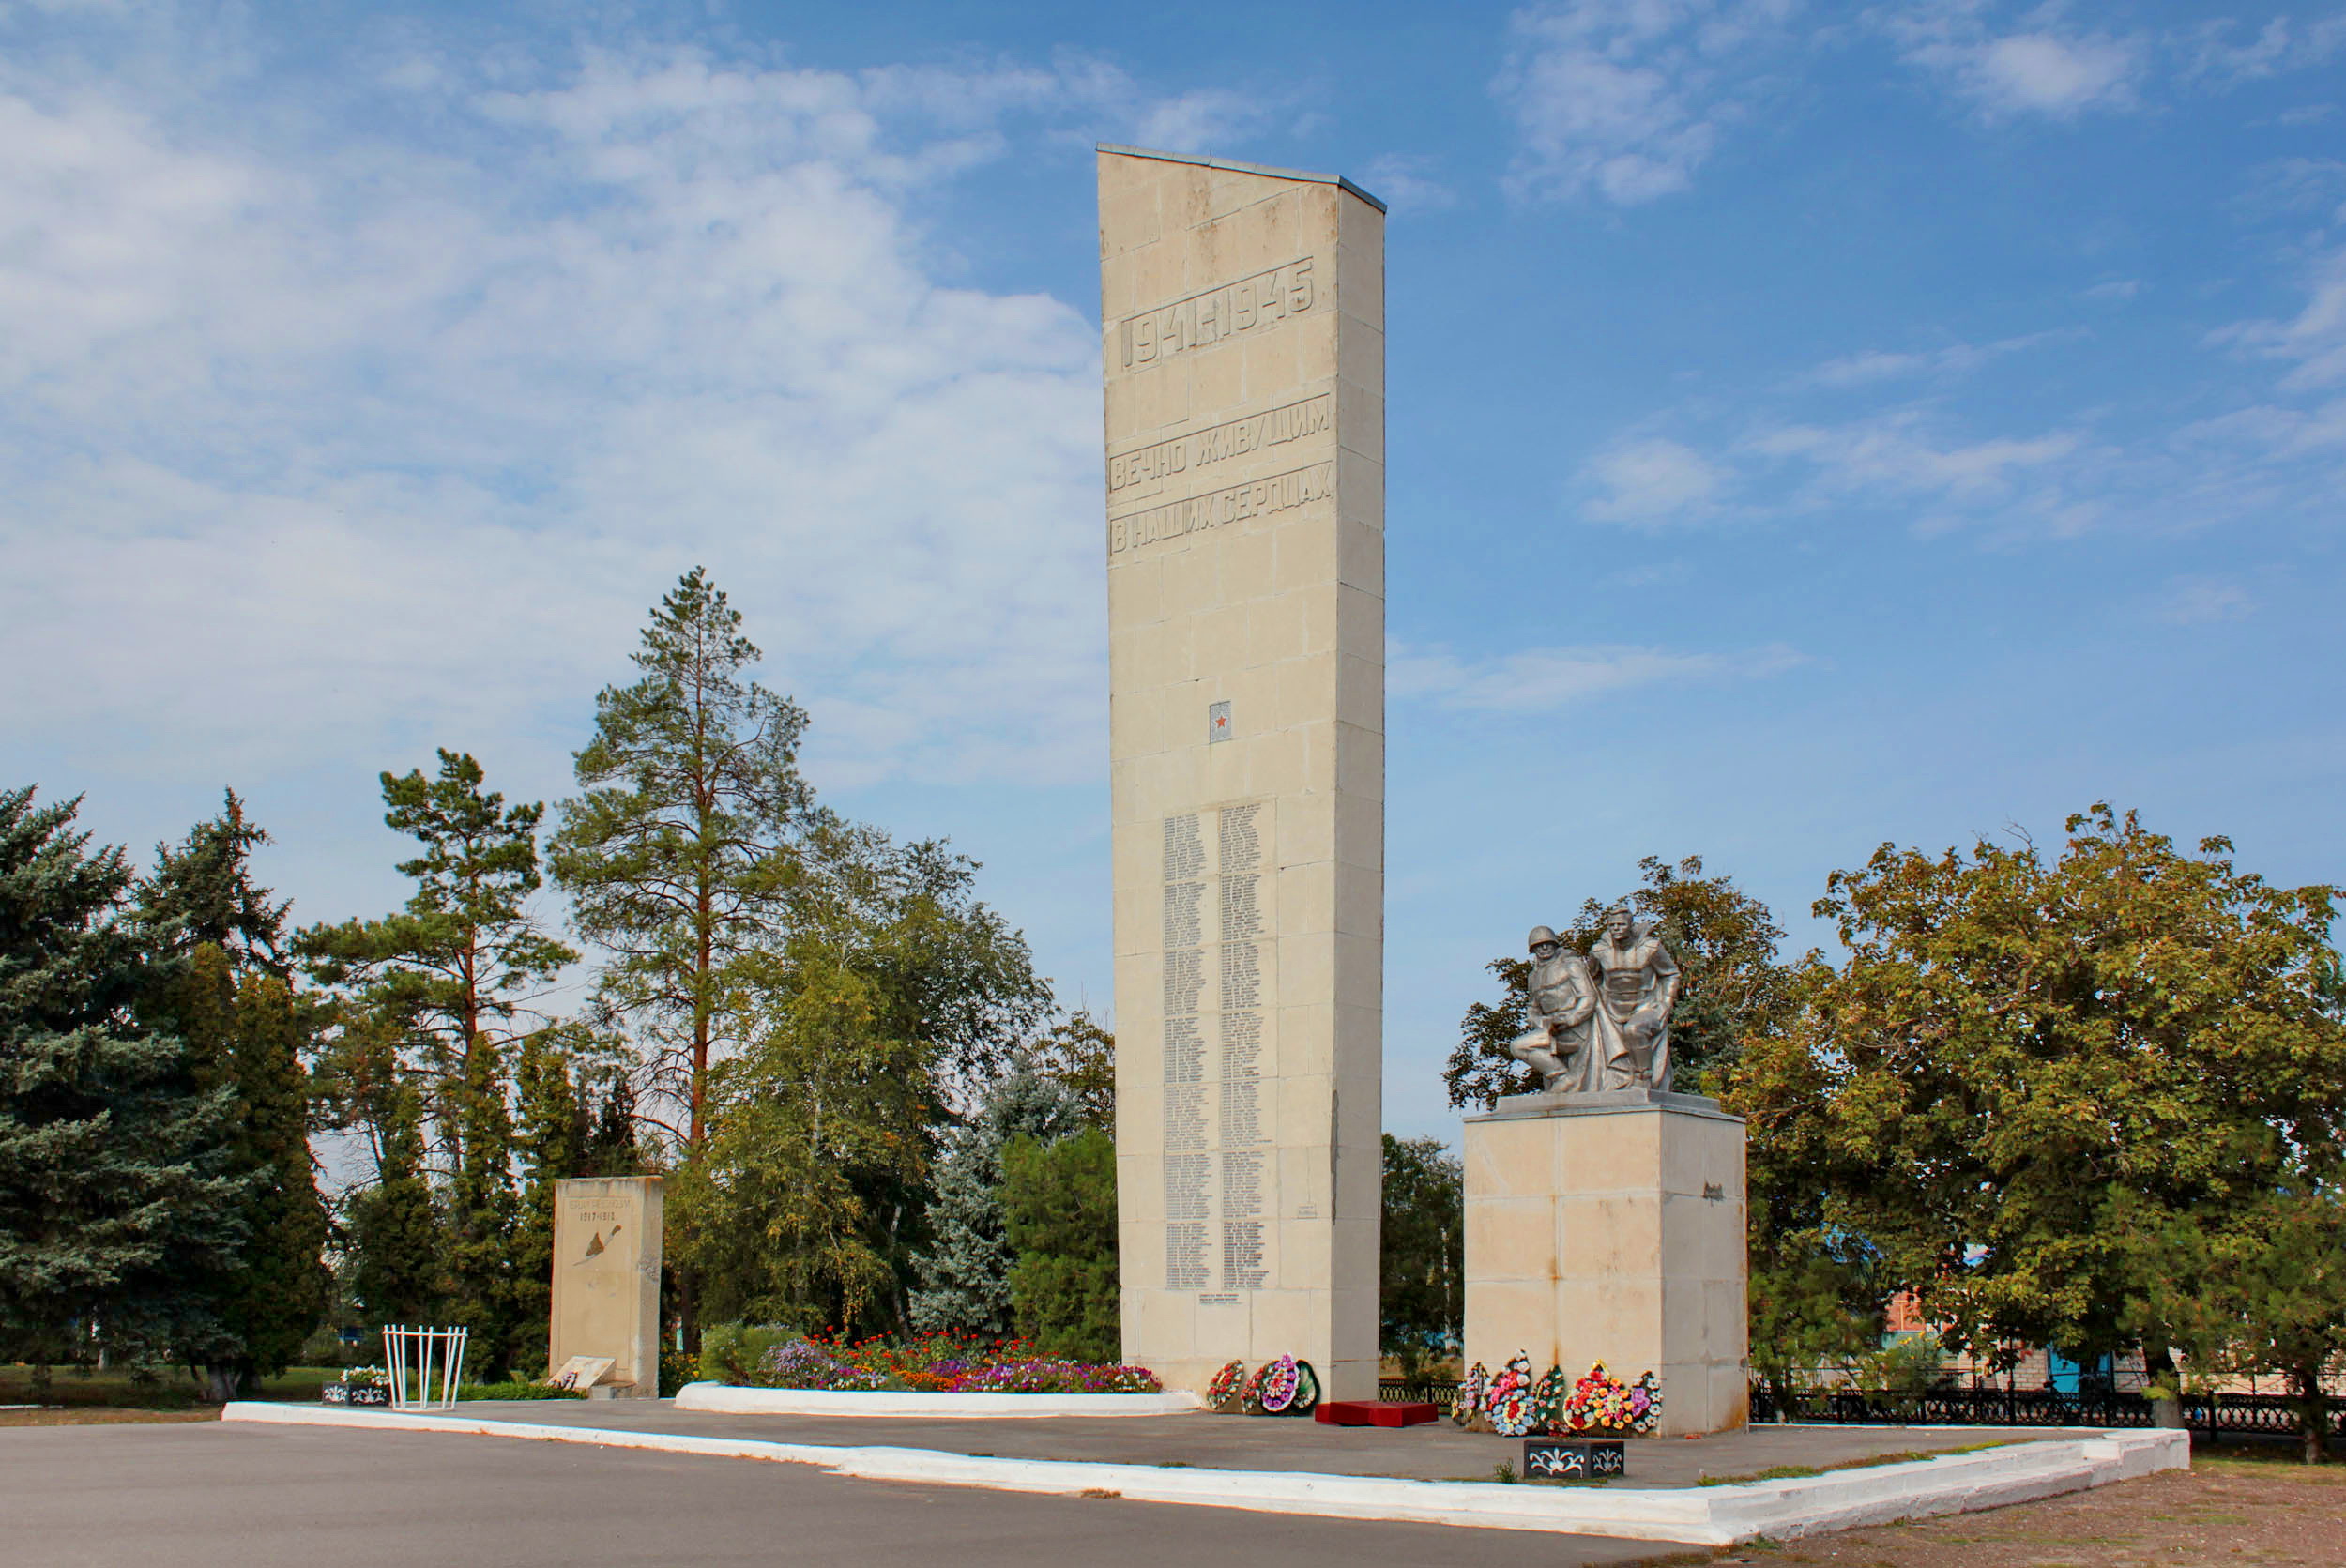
1218	950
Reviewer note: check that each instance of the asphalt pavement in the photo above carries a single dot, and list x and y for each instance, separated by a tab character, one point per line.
210	1494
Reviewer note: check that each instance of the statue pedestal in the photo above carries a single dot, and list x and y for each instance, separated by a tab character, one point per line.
1610	1227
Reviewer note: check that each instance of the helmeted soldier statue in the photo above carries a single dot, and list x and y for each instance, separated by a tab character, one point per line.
1559	999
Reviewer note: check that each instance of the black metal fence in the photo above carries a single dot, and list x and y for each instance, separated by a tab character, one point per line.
1401	1391
2220	1415
2269	1415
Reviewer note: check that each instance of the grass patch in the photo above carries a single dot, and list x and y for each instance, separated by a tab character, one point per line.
1505	1475
101	1415
1803	1472
2278	1459
1773	1472
169	1387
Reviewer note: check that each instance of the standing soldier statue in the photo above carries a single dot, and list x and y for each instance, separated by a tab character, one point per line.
1637	985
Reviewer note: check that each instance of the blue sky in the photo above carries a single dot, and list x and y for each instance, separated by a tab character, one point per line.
1810	425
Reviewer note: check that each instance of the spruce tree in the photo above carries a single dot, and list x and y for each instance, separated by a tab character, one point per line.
223	986
396	1246
115	1200
202	891
482	1211
965	1270
550	1140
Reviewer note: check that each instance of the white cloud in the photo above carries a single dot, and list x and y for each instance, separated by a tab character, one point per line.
1628	98
312	438
1198	121
1896	454
2116	289
1651	480
1543	679
2203	601
1404	181
2037	67
2314	338
1871	366
2283	44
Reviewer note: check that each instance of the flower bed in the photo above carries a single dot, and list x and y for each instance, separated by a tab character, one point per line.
926	1364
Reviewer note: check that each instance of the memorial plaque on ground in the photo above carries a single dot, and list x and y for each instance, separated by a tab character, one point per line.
606	1280
1574	1459
1244	359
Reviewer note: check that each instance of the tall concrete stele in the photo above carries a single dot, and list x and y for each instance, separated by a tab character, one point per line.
1245	357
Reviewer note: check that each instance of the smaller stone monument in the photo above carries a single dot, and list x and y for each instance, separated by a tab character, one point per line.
1605	1213
606	1283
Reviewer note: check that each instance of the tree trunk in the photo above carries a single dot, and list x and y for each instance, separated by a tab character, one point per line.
2313	1410
2158	1374
222	1383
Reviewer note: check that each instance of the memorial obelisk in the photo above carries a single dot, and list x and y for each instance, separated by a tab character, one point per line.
1243	355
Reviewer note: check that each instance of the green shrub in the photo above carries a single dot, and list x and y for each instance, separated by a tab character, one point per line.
732	1352
1059	1211
516	1391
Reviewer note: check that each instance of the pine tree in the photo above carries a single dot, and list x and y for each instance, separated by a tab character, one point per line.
448	973
965	1270
614	1147
114	1199
676	853
217	940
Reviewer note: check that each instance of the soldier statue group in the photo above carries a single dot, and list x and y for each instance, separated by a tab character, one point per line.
1602	1022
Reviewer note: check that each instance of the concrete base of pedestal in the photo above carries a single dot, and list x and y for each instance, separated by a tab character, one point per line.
1610	1227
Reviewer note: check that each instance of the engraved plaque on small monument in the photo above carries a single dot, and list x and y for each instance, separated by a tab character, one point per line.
606	1280
1244	358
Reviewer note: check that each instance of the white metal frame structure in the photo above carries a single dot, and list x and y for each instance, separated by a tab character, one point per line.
413	1356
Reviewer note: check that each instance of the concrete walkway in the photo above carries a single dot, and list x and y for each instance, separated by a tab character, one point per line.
1438	1452
1718	1514
237	1495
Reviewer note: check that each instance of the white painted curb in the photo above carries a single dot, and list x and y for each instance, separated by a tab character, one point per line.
1699	1515
847	1402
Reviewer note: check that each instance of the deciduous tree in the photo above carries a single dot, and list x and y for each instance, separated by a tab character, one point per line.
2032	1073
1422	1243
